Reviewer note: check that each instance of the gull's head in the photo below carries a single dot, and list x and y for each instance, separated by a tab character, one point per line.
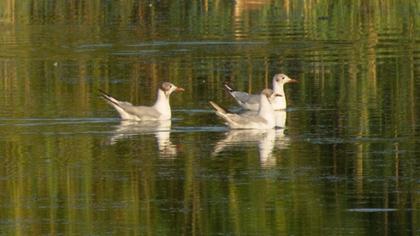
267	92
270	94
168	88
283	79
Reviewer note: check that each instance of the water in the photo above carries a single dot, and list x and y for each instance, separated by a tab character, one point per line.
345	162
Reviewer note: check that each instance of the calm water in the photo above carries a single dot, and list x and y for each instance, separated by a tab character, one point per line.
346	161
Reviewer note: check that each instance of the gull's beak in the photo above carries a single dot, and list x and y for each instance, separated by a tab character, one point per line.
179	89
293	81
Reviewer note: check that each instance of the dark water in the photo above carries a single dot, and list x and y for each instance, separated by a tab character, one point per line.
345	162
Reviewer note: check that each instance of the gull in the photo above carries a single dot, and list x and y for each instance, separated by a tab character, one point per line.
161	110
263	119
251	101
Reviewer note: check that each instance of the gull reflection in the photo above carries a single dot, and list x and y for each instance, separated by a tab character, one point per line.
161	130
279	115
266	140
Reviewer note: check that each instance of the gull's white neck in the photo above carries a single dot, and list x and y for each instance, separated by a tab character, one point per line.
279	102
266	110
162	105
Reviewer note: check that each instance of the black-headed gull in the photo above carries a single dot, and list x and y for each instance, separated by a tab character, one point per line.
263	119
161	110
251	101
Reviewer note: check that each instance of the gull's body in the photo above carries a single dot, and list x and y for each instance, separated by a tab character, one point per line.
161	110
251	101
263	119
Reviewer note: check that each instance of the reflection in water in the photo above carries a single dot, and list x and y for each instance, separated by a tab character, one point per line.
242	7
265	139
161	129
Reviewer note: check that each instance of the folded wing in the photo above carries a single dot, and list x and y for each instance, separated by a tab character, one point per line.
129	112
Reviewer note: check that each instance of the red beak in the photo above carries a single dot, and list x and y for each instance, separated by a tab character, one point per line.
179	90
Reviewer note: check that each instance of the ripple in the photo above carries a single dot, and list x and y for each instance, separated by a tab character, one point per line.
52	121
97	45
190	129
140	52
195	43
371	209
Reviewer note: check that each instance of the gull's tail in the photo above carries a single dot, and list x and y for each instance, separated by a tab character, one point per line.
218	108
222	113
228	87
108	98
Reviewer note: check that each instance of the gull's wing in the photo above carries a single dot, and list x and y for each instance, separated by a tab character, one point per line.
244	97
240	96
246	100
129	112
142	112
239	121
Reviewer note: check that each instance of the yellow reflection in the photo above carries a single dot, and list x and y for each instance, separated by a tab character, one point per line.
7	11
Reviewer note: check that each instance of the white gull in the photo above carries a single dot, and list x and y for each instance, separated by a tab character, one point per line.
263	119
251	101
161	110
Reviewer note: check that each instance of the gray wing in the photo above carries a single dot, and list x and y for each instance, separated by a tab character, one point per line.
142	112
253	99
129	112
244	97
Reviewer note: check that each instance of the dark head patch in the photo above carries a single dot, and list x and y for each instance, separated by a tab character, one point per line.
166	86
280	77
267	92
